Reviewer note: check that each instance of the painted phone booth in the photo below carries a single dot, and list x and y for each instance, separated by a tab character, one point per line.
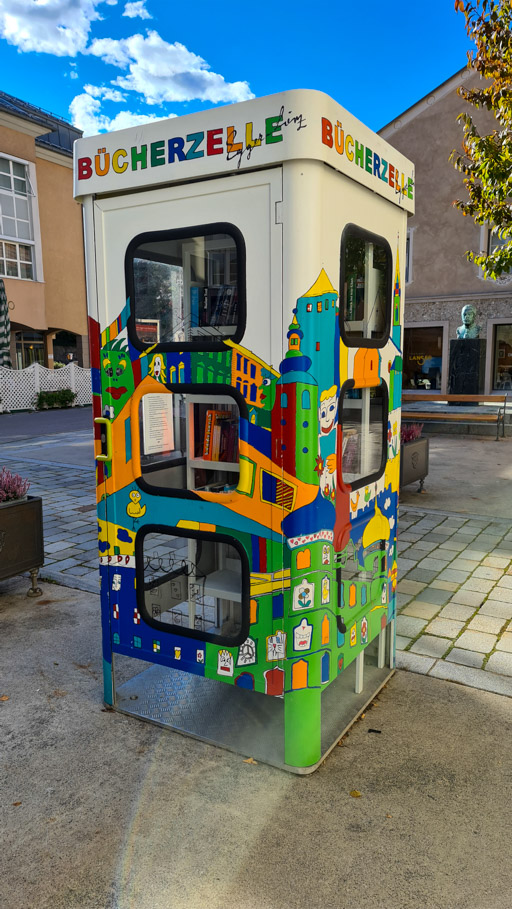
245	283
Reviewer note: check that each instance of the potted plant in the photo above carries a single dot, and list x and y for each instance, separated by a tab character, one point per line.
21	530
413	455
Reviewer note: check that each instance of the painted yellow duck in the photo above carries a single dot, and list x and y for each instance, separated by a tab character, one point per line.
134	509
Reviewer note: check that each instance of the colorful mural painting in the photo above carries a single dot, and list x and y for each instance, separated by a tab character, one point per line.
247	510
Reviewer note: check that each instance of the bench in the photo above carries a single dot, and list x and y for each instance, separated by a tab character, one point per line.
432	416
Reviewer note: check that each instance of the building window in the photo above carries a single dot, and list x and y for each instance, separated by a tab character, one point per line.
502	366
365	279
16	225
423	357
29	348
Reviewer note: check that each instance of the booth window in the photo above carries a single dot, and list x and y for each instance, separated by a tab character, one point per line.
189	441
187	288
366	285
194	585
364	418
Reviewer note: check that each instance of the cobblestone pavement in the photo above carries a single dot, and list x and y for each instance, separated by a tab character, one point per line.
454	592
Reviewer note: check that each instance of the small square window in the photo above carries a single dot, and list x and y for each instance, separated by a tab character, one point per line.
187	288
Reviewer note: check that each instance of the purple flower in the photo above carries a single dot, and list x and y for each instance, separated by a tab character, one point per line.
12	486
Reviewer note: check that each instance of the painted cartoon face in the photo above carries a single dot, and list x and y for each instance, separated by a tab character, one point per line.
327	414
116	379
267	389
135	495
157	368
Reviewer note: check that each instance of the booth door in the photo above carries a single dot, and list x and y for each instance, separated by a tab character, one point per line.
188	278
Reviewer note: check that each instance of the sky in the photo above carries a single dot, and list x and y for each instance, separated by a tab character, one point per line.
108	64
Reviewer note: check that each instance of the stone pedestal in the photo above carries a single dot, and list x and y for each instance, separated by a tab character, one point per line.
467	366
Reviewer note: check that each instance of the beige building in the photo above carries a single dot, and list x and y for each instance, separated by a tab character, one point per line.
439	280
41	239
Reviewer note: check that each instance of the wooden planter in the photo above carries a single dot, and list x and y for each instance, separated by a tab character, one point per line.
414	462
21	539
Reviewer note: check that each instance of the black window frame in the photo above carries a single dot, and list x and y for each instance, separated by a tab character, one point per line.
364	481
378	343
182	630
200	230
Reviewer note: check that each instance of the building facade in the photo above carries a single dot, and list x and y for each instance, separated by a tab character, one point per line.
41	237
439	279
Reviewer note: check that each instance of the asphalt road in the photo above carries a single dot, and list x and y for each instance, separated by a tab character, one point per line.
53	436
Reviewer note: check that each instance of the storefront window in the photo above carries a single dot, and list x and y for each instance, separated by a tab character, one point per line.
502	367
29	348
423	358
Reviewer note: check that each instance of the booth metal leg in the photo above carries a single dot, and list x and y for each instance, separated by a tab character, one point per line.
381	655
359	673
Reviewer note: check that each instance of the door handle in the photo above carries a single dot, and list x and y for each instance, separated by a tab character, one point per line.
105	438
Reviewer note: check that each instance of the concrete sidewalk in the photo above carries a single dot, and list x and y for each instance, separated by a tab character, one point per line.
103	811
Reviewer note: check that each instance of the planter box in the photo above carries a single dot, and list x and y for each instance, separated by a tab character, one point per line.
21	539
414	462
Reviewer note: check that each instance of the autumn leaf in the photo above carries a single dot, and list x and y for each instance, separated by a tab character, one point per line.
355	793
250	761
16	804
5	697
459	6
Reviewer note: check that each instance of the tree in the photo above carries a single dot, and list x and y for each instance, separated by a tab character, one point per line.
487	159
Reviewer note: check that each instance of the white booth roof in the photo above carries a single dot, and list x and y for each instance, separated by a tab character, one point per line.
299	124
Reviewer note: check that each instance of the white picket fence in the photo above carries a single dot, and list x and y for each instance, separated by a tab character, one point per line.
19	387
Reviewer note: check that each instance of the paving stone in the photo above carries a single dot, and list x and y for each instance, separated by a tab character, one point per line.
454	545
492	574
410	537
65	563
414	662
451	586
497	608
500	662
474	678
504	549
423	575
402	599
409	625
408	586
496	562
421	610
434	595
489	623
504	594
467	565
505	642
474	555
457	611
477	640
404	565
478	585
445	628
424	546
402	642
450	574
468	598
430	646
437	537
435	564
465	658
445	555
506	581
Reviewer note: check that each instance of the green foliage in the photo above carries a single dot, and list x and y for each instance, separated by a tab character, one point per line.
62	398
487	159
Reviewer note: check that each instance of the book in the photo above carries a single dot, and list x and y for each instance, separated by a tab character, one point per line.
211	420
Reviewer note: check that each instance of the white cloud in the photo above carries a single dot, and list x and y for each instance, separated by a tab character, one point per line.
58	27
73	74
108	94
163	72
132	10
86	114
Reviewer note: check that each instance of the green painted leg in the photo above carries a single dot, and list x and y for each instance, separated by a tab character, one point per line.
302	727
108	683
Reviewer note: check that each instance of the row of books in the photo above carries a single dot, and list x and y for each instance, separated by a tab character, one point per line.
220	436
212	306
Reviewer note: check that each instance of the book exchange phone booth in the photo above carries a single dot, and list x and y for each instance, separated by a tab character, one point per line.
245	272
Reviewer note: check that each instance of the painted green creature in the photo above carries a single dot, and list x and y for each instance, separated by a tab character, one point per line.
117	382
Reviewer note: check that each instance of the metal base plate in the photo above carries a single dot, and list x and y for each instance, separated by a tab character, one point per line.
242	721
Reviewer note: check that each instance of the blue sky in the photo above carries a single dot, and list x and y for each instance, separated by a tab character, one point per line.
107	64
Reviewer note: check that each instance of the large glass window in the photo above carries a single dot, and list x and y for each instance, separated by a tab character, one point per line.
364	416
187	288
502	367
365	287
189	441
423	357
195	585
16	258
